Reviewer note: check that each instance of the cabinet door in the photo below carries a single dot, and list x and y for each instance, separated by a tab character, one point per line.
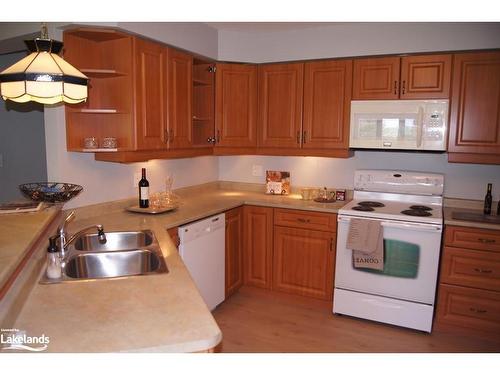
258	245
280	105
425	77
475	106
174	236
376	78
236	105
180	83
234	250
150	104
327	101
303	262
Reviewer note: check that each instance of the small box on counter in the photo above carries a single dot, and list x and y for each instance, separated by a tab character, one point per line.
340	195
277	182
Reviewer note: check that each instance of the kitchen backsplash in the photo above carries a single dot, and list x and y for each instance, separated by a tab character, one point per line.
465	181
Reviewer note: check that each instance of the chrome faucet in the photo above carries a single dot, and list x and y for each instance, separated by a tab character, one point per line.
64	242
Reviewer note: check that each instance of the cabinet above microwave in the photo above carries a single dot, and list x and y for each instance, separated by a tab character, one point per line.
399	125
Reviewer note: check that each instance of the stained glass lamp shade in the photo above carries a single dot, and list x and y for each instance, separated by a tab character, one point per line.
43	76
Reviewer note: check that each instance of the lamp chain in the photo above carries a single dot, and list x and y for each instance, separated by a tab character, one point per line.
45	33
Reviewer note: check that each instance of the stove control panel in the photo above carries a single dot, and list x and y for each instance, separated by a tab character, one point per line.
402	182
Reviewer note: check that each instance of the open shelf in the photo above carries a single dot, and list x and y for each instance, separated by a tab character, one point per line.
98	35
199	82
101	73
100	110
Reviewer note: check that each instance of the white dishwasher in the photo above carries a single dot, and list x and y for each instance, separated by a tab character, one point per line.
202	248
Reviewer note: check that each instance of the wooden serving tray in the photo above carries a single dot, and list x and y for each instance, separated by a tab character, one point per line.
152	210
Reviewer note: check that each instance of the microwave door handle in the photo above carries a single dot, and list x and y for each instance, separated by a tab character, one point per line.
420	126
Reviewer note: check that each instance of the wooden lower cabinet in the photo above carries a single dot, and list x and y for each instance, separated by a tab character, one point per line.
258	246
469	282
470	309
303	262
174	236
234	250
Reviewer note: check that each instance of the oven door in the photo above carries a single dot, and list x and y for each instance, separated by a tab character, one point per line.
411	258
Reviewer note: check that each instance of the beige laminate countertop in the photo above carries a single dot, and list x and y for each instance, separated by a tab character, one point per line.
18	233
154	313
465	205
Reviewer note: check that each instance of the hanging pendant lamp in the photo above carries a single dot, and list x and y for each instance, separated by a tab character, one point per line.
43	76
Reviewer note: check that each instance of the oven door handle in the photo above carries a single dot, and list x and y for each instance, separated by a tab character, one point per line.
414	226
409	226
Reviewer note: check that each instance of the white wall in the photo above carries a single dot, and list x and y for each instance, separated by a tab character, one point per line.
466	181
111	181
355	39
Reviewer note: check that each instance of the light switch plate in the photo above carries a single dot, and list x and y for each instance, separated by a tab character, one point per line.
257	170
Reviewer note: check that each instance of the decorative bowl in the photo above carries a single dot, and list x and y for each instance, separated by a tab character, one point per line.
53	192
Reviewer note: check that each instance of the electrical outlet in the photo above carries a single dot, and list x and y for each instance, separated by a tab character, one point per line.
257	170
137	178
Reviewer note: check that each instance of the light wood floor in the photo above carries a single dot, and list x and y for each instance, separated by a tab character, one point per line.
256	320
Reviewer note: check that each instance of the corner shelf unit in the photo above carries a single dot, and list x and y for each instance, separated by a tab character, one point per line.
106	57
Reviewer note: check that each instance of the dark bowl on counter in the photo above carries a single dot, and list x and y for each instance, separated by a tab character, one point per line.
51	192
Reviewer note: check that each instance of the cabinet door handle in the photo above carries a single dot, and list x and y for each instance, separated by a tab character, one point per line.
302	220
218	136
332	244
304	136
298	137
404	88
481	270
486	240
478	311
165	136
171	135
395	87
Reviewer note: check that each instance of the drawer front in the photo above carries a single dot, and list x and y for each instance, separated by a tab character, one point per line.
478	269
469	308
472	238
305	220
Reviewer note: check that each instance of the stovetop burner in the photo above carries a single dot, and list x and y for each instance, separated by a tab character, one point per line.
416	212
371	204
421	208
363	208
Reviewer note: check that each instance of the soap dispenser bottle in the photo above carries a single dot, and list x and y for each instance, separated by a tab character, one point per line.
54	270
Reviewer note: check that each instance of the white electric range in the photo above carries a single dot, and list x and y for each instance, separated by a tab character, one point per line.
409	208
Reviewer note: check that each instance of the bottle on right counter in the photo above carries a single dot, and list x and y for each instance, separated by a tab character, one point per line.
488	201
498	207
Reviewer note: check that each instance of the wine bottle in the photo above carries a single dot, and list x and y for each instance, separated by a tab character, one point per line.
487	201
144	190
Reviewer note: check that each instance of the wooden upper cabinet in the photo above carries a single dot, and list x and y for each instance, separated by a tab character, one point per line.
280	105
327	100
475	108
376	78
236	105
425	77
180	83
150	103
234	250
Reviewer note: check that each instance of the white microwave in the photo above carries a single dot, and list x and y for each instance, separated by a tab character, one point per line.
399	124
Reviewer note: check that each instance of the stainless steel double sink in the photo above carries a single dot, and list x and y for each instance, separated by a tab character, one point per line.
123	254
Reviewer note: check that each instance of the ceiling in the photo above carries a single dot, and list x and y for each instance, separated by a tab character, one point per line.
248	27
